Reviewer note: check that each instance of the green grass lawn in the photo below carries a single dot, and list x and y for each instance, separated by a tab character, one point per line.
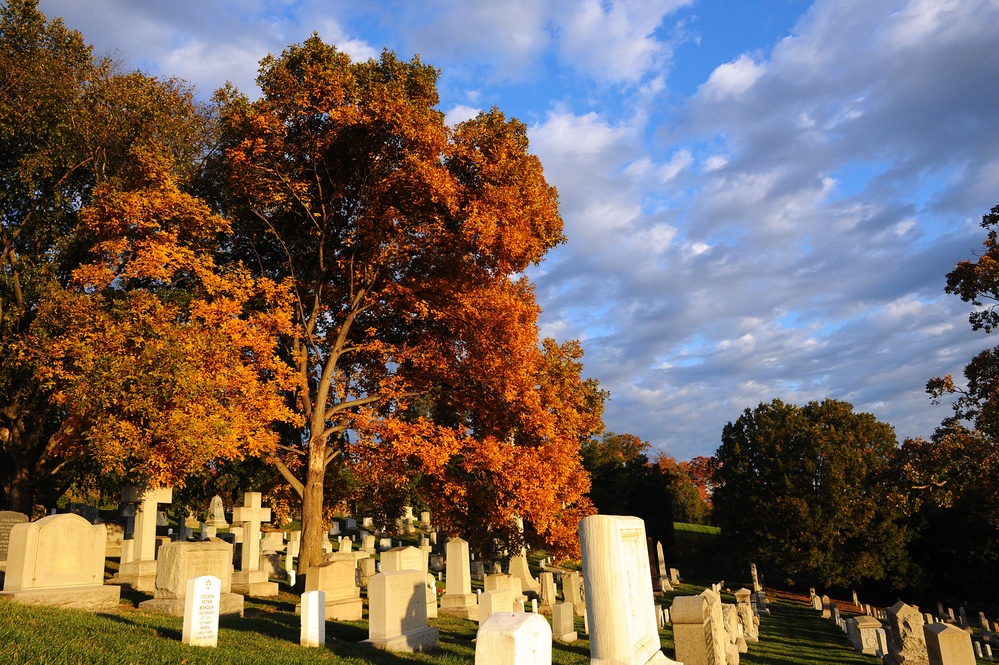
268	635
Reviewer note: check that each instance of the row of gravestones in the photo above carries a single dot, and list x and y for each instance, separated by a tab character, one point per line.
64	555
909	636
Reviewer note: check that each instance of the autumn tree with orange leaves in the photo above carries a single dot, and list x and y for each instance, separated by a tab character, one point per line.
161	361
69	124
415	337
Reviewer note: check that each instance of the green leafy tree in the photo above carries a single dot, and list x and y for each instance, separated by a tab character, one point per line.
68	122
808	493
624	482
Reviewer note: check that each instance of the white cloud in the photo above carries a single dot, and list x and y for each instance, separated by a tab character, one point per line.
733	78
614	41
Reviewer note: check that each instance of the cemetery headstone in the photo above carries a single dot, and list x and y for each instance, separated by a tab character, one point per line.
313	633
8	518
863	633
947	644
397	613
181	562
619	598
201	612
519	568
458	598
906	642
216	514
563	628
338	582
139	572
548	592
755	576
826	608
572	591
59	561
663	571
250	580
748	619
491	602
730	617
510	638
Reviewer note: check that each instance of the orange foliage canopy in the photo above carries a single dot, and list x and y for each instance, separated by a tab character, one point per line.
161	361
416	337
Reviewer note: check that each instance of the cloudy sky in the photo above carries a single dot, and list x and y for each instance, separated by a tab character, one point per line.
761	198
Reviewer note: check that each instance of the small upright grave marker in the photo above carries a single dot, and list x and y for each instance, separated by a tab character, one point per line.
313	619
201	612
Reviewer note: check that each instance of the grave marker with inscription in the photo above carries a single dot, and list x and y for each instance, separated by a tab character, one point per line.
201	612
180	562
59	561
8	518
619	600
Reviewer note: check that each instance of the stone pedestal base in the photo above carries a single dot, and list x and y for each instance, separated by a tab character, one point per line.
426	639
93	598
140	575
253	583
460	605
341	610
229	603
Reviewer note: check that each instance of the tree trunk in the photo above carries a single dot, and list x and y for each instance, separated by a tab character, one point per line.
311	553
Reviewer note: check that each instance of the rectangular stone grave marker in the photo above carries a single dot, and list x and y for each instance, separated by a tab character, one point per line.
397	613
509	638
563	628
619	600
313	619
338	582
8	518
201	612
59	561
181	562
947	644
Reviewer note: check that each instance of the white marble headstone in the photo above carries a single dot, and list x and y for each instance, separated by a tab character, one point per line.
313	619
201	611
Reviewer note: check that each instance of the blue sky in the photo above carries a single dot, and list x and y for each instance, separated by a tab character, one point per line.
761	199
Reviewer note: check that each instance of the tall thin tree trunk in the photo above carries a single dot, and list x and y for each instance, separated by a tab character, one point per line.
311	553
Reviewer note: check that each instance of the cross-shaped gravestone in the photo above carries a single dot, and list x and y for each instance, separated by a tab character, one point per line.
145	518
252	515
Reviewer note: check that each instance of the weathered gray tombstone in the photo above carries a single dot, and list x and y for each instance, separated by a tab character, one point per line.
180	562
817	603
906	643
249	579
397	613
458	598
730	616
201	612
139	572
509	638
689	616
718	641
313	629
619	600
862	632
59	561
8	518
947	644
747	618
882	648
